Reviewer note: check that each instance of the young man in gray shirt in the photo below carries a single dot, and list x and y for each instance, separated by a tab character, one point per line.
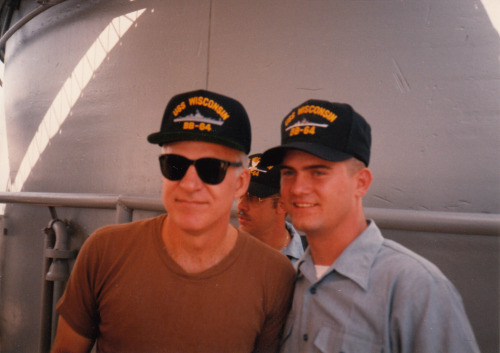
355	291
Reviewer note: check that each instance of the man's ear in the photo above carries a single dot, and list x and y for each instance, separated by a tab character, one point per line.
364	179
242	183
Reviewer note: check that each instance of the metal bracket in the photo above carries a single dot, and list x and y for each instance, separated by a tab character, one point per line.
3	226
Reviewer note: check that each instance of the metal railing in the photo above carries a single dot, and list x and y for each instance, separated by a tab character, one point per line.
56	252
408	220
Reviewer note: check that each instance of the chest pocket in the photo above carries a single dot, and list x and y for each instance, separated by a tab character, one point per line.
333	340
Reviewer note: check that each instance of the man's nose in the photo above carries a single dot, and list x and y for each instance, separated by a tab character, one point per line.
191	179
242	204
298	185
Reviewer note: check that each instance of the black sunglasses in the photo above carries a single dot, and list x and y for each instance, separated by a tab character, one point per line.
210	170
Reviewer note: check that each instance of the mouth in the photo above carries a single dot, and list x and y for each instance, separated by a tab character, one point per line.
243	218
303	204
190	202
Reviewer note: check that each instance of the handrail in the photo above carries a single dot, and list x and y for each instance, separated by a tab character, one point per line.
409	220
38	10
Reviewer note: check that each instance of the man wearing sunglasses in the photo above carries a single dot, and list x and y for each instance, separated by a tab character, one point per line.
261	211
186	281
355	291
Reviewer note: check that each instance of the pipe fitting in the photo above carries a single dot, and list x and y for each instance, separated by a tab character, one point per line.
60	253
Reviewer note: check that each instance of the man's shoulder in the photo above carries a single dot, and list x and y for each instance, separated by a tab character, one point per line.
126	232
263	253
255	245
394	258
142	224
407	265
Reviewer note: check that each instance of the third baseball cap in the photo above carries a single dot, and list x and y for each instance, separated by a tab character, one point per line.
265	179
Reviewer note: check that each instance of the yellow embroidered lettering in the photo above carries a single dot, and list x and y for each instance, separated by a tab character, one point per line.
179	108
188	125
294	131
209	103
320	111
289	118
204	126
307	130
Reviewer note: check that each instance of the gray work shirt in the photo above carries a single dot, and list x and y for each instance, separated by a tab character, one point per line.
294	250
378	296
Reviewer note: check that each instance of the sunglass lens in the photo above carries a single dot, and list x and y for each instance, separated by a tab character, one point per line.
174	167
211	170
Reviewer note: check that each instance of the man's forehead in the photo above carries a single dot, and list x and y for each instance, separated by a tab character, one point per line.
189	145
295	156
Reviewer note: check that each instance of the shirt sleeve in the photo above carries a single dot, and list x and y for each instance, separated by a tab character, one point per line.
278	303
78	303
428	316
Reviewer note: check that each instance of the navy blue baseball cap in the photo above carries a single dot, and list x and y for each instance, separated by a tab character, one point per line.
265	179
331	131
205	116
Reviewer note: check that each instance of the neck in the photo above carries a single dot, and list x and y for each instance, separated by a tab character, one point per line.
276	237
326	248
198	251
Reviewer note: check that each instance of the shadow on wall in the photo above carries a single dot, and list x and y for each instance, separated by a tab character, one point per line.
65	99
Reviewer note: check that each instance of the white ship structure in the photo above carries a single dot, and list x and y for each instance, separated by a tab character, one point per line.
199	118
304	122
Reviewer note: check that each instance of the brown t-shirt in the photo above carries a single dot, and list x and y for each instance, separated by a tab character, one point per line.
128	293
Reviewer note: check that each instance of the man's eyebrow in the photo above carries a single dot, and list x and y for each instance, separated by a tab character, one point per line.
313	166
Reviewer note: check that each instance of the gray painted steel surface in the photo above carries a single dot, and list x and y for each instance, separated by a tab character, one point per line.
85	82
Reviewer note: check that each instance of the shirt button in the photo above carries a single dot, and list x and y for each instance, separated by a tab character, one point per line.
313	290
305	337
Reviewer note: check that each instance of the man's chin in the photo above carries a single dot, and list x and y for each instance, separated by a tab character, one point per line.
244	224
301	224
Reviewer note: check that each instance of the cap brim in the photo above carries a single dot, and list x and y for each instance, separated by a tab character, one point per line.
275	155
162	138
261	190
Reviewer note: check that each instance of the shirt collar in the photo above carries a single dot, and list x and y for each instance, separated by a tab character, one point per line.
294	250
355	261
